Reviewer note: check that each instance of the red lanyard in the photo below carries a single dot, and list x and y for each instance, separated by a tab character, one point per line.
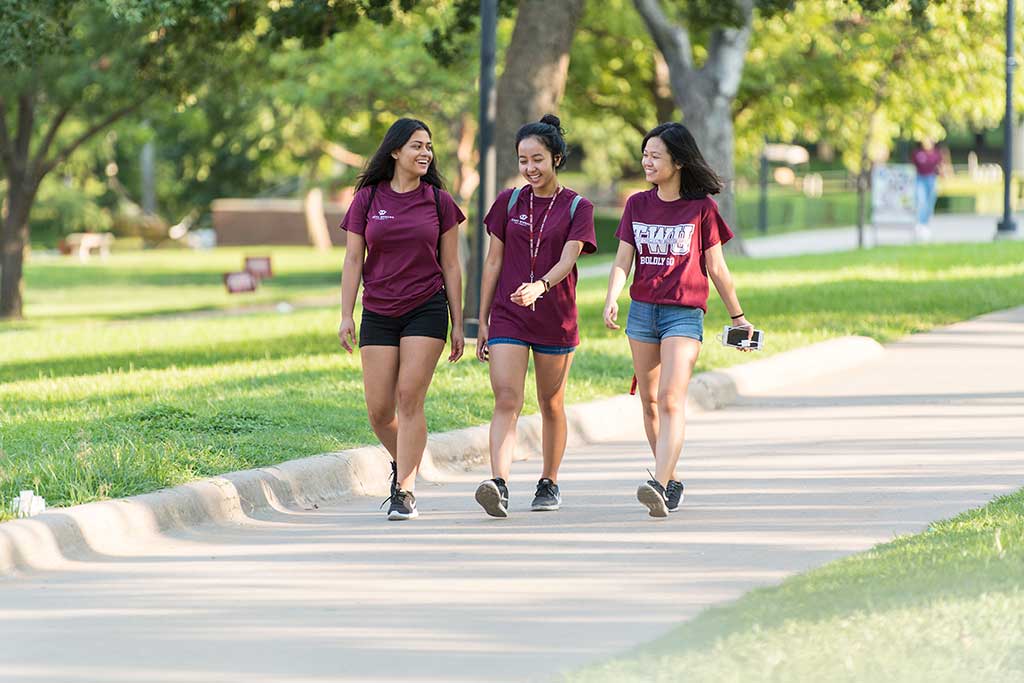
535	249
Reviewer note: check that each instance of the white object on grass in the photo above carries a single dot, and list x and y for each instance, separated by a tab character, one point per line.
28	504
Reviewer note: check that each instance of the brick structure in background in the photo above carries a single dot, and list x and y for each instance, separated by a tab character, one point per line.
240	222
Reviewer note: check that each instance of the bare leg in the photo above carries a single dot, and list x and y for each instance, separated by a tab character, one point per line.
508	365
647	365
678	356
380	386
415	370
552	375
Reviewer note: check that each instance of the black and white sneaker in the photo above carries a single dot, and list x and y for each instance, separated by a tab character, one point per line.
652	495
548	496
492	495
403	506
673	495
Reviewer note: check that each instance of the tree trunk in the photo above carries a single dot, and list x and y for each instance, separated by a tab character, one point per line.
468	178
705	95
713	129
536	66
14	241
316	221
661	90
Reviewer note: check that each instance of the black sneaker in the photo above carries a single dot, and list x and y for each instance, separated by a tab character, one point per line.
403	506
673	494
548	496
652	495
492	495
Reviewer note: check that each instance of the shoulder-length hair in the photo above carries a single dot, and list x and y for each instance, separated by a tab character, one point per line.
696	177
381	165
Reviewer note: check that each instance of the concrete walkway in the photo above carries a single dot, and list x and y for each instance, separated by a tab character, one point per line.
775	485
945	228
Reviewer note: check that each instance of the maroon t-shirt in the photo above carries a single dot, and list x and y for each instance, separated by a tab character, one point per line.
401	270
670	239
926	161
553	323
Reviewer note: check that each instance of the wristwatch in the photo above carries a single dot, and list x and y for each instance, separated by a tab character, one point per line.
547	285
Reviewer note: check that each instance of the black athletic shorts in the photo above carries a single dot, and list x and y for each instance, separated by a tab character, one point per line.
429	319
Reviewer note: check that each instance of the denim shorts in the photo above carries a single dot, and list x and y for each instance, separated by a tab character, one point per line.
537	348
651	323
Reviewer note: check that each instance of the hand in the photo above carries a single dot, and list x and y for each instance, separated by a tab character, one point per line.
347	333
611	314
742	322
528	293
482	352
458	344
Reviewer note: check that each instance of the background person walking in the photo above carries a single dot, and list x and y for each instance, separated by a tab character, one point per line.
402	245
674	233
528	302
927	159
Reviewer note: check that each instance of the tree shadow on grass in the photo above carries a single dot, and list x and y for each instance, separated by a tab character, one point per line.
261	348
60	277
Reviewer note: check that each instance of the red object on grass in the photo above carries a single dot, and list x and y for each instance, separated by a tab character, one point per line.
242	281
259	266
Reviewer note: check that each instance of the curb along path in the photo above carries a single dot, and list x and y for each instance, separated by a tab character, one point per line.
115	526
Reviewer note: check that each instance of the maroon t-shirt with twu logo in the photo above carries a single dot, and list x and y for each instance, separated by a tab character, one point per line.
670	239
553	319
401	270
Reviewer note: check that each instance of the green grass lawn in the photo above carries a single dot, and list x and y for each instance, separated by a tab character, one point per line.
136	284
943	605
100	397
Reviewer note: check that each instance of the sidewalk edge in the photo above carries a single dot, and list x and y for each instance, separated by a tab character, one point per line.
112	527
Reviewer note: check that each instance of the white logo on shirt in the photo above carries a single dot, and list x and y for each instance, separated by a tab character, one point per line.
662	242
382	215
520	221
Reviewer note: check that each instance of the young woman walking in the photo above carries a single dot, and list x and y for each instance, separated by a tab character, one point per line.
401	243
674	234
528	302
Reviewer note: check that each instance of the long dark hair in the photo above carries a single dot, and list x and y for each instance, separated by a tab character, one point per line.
696	177
381	165
549	131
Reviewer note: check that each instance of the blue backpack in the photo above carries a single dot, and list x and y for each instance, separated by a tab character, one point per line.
515	197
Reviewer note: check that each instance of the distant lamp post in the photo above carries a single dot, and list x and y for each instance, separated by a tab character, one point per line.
488	160
1008	227
790	155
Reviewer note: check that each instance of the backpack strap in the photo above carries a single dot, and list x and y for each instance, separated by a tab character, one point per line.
513	199
437	206
369	203
572	207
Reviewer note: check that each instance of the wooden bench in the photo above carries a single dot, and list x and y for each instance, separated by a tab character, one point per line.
85	242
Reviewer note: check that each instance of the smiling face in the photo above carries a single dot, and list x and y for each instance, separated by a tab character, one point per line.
414	157
659	167
536	164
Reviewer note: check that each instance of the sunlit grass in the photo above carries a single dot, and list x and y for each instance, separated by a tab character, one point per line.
944	605
99	398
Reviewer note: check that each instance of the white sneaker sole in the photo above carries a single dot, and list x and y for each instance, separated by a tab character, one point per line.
652	500
489	498
545	508
396	516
